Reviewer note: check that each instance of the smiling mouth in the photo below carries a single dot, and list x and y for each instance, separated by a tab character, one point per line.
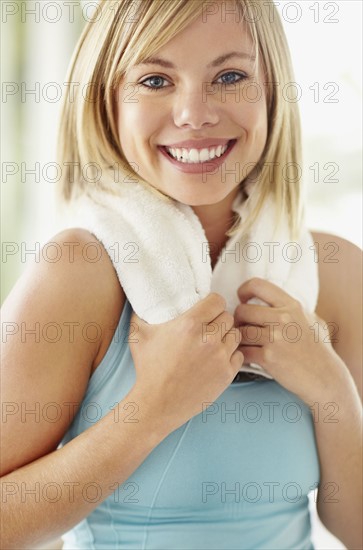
198	156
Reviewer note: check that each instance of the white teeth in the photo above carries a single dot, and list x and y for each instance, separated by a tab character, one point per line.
195	156
204	155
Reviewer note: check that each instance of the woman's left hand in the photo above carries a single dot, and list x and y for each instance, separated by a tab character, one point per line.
292	345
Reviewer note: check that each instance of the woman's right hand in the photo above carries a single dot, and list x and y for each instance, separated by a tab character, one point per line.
186	362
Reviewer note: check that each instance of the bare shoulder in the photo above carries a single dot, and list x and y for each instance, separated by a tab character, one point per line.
336	250
74	272
340	272
57	322
340	297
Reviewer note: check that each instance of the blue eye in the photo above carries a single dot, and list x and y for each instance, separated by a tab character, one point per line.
156	86
233	81
153	88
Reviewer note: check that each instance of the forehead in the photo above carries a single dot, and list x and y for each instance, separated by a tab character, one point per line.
216	34
216	28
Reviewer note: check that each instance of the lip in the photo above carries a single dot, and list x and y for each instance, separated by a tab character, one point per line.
198	143
199	168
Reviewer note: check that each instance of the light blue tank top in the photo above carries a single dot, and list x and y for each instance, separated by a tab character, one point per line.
236	476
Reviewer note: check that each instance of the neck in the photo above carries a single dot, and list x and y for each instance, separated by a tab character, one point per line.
216	220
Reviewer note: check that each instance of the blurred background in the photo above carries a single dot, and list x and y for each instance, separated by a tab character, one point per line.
37	43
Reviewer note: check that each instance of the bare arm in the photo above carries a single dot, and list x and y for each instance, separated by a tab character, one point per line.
326	378
339	442
340	299
47	349
66	485
46	358
38	371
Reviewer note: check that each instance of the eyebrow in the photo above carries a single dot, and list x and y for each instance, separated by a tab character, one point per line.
218	61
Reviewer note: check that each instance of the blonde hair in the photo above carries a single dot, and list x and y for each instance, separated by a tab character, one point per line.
122	36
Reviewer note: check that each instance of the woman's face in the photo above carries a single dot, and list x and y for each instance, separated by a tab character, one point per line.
195	92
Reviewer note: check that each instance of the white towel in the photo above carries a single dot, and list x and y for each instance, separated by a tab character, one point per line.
160	253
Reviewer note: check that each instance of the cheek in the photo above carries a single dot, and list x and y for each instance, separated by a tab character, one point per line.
136	121
255	109
261	125
252	118
256	117
126	123
137	124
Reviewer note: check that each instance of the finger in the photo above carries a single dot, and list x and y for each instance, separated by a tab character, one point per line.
208	308
134	329
232	338
265	290
136	318
219	327
253	354
254	314
237	360
136	323
224	322
254	335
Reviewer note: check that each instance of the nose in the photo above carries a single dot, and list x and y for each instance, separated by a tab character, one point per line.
194	109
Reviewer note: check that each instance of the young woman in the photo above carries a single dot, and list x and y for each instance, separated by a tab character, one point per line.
106	456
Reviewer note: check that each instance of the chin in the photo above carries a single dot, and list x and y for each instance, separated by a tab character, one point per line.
191	200
207	198
193	194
